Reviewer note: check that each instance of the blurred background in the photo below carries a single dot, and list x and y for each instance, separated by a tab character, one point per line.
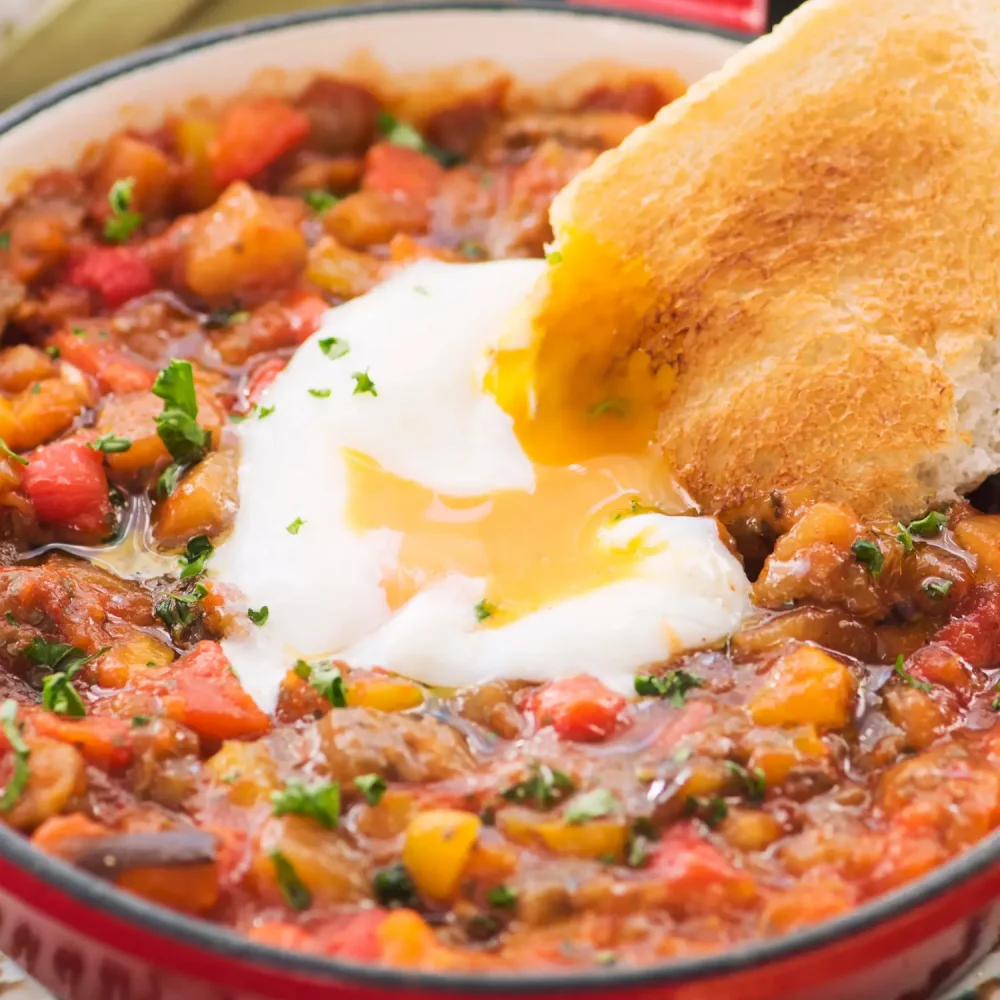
42	41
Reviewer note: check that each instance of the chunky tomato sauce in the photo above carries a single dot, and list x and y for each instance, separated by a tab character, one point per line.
841	744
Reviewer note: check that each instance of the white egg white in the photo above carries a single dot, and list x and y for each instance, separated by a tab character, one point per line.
424	339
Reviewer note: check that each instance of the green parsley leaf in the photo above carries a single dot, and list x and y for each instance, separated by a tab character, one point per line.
140	720
485	609
122	222
57	655
195	556
754	782
53	352
929	525
295	526
907	677
178	427
673	685
110	445
175	609
19	778
320	393
296	894
326	679
362	383
606	957
372	787
258	617
420	290
393	887
334	347
320	200
869	555
60	696
473	250
590	805
904	536
5	240
502	896
168	479
634	507
11	454
937	590
405	135
613	407
264	411
543	789
9	615
553	257
320	802
116	496
716	811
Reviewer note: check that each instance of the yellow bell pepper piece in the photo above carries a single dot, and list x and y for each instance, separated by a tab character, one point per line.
437	848
597	838
805	687
387	694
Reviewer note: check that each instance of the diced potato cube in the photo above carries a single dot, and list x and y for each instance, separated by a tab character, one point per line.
980	535
45	411
598	838
822	523
204	502
190	889
437	847
125	156
57	773
243	248
246	770
805	687
340	271
750	830
777	752
384	692
129	658
21	366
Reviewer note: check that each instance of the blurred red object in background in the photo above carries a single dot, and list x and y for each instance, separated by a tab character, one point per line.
749	16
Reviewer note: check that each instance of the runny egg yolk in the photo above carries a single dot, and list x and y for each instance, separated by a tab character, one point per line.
592	465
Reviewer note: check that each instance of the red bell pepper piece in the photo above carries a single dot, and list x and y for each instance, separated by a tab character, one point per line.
580	708
252	135
402	172
117	274
114	371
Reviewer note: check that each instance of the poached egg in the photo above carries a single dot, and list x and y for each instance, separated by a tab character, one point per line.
398	508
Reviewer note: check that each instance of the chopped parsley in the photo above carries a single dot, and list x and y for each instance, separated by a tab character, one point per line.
637	848
110	445
258	617
937	590
53	352
590	805
543	789
716	811
60	696
485	609
225	317
616	406
5	240
334	347
123	222
19	778
393	887
372	787
504	897
9	615
905	538
673	685
320	802
263	412
553	257
174	610
195	556
5	450
869	555
296	894
634	508
57	655
404	134
320	200
362	383
138	721
65	662
473	250
295	526
320	393
930	525
754	781
420	290
907	677
178	427
326	679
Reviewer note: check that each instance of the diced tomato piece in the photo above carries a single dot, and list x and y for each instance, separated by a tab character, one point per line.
974	630
402	172
117	274
104	740
262	376
209	699
67	486
581	708
691	718
252	135
114	371
691	866
355	937
304	311
58	833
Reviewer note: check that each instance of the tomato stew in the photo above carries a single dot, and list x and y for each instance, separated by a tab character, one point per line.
841	744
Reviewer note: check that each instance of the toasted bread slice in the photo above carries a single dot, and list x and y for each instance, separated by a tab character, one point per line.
807	247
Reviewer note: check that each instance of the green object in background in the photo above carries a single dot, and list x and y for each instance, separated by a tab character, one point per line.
43	41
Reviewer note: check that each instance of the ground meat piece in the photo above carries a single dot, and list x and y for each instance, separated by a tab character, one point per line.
341	116
398	747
